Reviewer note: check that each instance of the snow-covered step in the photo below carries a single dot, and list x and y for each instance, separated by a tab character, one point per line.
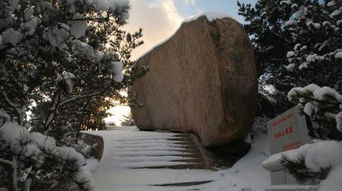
173	166
184	183
154	158
113	172
163	150
154	161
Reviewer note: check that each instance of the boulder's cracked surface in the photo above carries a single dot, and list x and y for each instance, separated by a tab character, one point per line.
202	80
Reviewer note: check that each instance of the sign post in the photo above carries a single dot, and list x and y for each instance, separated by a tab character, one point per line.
285	132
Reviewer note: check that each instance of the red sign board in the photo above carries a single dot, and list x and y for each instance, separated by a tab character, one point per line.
287	131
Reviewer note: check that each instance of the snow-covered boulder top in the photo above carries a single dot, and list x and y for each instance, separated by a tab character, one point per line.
211	16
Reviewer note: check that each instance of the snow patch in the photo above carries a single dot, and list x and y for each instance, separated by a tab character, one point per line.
338	55
290	67
333	181
116	69
211	16
78	27
44	143
14	136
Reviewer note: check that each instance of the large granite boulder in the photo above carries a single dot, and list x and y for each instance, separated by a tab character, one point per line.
201	80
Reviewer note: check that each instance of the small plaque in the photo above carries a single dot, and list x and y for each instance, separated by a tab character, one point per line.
287	131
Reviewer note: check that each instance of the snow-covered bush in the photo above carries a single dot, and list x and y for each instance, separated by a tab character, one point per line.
321	160
324	106
61	61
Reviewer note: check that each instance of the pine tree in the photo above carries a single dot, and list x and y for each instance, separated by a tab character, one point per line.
59	60
299	41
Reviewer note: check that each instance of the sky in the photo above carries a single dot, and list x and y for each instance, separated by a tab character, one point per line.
159	19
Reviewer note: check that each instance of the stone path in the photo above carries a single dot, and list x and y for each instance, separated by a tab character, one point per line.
135	160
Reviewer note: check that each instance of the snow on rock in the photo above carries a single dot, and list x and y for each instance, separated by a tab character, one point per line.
211	16
14	136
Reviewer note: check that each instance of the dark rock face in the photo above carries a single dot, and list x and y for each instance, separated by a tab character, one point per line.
202	80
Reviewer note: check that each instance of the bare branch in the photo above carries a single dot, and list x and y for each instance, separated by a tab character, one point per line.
82	97
15	107
6	163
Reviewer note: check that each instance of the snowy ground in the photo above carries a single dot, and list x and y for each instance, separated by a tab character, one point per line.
115	173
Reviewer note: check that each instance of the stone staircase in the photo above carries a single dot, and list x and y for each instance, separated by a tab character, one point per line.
164	151
179	151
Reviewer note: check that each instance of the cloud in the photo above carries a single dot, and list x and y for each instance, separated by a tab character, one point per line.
191	2
159	20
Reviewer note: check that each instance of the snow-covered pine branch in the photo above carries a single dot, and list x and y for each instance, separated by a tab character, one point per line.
319	33
319	103
299	40
37	148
